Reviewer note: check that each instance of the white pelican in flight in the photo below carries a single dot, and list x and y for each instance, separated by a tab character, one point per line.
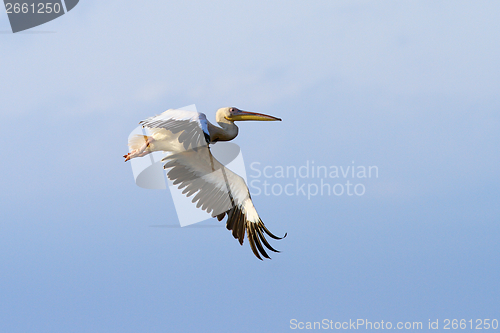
185	136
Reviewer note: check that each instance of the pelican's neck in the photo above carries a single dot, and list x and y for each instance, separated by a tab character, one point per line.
226	132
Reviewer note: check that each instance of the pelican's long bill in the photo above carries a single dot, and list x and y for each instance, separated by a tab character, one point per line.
239	115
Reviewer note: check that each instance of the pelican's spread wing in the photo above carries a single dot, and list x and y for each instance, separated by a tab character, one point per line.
193	126
220	192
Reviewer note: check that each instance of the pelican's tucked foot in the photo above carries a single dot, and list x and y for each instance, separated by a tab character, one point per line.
143	151
131	155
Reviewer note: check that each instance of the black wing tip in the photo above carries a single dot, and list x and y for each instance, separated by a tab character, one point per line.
256	235
237	223
252	244
253	235
270	234
266	243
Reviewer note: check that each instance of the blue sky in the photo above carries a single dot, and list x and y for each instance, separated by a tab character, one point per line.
410	87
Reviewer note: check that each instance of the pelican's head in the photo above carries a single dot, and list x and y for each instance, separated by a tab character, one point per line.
235	114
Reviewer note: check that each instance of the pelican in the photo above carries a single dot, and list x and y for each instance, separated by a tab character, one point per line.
186	137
